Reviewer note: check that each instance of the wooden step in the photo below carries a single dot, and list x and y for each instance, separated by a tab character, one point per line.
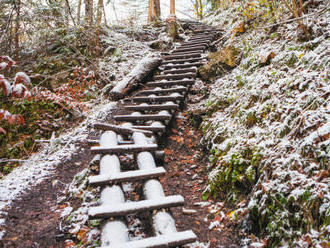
163	91
188	55
151	128
175	76
176	239
194	43
119	129
178	61
182	46
171	83
197	48
156	98
185	52
188	65
153	107
127	176
123	209
178	71
123	149
144	117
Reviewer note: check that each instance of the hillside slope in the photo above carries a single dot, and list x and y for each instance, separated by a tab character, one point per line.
267	122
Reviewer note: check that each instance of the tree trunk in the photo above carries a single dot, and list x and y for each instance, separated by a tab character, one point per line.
157	7
172	7
78	12
17	28
99	12
89	12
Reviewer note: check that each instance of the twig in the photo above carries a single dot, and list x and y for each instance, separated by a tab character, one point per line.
296	19
13	160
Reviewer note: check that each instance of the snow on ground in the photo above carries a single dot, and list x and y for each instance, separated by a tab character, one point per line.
43	164
270	125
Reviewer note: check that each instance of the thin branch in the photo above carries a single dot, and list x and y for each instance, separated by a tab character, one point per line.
299	18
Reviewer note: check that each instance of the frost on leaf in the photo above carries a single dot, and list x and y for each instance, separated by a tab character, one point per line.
5	86
7	62
22	78
20	91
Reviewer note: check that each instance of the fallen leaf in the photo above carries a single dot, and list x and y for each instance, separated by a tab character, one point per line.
2	130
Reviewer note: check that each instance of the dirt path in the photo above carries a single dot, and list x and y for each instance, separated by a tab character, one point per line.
32	221
186	163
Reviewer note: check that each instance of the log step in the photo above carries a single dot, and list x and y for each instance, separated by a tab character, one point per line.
123	209
156	98
148	117
201	39
119	129
197	48
163	91
123	149
175	76
196	64
194	43
151	128
153	107
171	83
178	61
127	176
176	239
186	53
178	71
193	46
190	55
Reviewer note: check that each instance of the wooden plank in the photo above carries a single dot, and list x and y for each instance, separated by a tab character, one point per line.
127	176
156	98
196	64
191	55
123	149
145	117
153	107
178	71
178	61
119	129
179	49
163	91
151	128
186	52
176	239
171	83
123	209
175	76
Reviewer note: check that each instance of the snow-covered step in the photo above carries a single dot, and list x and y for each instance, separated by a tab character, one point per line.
126	208
179	71
178	61
178	52
188	65
163	91
151	128
183	82
175	76
172	97
119	129
182	46
161	241
143	117
123	149
190	55
127	176
197	48
153	107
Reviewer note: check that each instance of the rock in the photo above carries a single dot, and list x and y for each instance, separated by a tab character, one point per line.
220	62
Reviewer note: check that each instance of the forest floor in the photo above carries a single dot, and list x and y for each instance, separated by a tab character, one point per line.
50	209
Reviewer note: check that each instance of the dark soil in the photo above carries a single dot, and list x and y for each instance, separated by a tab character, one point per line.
31	220
186	162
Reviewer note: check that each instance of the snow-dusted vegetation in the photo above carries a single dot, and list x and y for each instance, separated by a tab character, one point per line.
267	121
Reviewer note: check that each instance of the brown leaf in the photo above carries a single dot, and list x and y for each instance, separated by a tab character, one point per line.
2	130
